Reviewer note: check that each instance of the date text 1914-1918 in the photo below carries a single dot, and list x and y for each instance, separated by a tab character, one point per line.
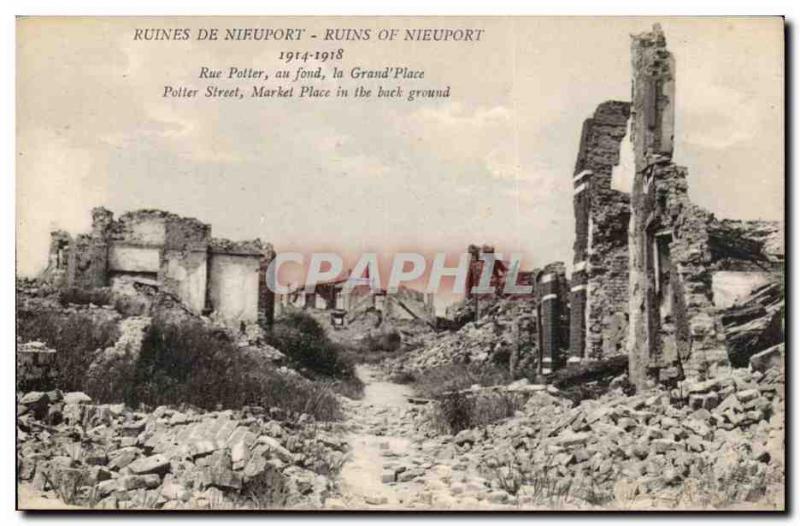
305	56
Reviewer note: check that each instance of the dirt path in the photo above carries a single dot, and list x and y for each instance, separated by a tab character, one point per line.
392	465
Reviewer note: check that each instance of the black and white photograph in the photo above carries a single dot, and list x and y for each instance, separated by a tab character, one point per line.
400	263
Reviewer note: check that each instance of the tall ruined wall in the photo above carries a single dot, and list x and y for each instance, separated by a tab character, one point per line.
673	327
598	323
647	265
58	259
87	264
691	334
651	128
266	296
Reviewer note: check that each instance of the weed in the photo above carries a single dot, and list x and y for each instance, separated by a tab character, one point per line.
431	383
457	410
74	336
79	296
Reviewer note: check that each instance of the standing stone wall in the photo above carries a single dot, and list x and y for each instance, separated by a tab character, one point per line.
674	330
88	262
652	125
695	328
599	277
644	262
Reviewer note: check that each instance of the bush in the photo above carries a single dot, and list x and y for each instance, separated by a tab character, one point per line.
183	363
303	340
453	412
189	364
384	342
433	382
542	482
457	411
79	296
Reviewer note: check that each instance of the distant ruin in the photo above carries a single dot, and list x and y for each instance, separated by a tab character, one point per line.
349	301
547	327
175	254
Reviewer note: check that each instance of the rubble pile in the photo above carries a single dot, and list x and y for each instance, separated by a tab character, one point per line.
110	457
476	342
372	332
719	445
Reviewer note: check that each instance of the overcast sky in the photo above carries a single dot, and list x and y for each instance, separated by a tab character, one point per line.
493	163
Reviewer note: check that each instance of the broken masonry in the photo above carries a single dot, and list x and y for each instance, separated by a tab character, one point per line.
176	254
653	273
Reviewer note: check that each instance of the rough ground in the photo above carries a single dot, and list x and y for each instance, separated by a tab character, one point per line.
73	452
393	465
723	449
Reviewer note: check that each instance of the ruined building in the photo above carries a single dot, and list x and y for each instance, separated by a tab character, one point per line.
653	273
362	299
599	284
547	326
175	254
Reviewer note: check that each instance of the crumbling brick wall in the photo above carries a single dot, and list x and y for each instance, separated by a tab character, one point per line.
266	296
57	269
182	246
658	279
600	277
690	337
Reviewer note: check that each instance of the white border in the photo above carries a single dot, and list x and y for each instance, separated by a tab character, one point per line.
309	7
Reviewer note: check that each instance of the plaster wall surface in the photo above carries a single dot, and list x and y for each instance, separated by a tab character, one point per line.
185	275
133	259
233	286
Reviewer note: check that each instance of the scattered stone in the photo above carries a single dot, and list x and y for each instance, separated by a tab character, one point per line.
77	398
153	464
768	359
